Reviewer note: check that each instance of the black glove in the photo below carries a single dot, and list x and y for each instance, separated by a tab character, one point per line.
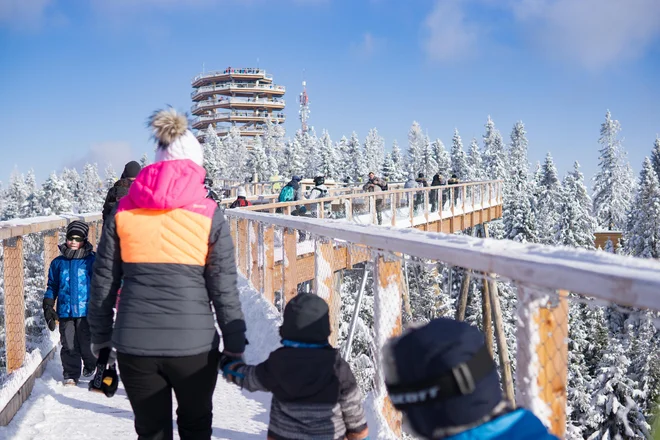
229	365
49	313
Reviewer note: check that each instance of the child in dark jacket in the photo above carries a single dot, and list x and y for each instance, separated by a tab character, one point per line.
315	395
69	278
452	391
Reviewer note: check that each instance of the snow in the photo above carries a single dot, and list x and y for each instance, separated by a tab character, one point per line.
10	385
57	412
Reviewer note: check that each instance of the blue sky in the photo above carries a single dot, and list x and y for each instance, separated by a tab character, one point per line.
80	77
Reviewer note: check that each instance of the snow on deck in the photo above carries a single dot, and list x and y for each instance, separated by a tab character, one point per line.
71	413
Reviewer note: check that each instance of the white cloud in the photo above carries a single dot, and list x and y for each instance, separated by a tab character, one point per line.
23	13
117	153
593	33
447	34
368	45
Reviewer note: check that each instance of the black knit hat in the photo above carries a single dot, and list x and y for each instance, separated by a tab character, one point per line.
131	170
306	319
78	228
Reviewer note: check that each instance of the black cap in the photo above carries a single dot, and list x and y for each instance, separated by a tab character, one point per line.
306	319
78	228
131	170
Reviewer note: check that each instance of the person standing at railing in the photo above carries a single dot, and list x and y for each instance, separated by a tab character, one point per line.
172	247
453	181
376	184
438	180
319	191
121	187
69	279
453	391
419	197
241	199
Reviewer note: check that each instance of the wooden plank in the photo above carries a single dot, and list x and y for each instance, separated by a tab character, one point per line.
23	393
255	244
51	251
14	303
388	323
552	352
268	287
324	283
242	238
290	266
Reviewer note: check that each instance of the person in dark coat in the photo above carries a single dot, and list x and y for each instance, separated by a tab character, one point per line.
438	180
120	188
439	403
172	247
69	279
315	394
419	197
241	199
453	180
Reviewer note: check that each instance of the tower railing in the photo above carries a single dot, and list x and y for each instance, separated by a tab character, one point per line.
227	100
246	71
236	86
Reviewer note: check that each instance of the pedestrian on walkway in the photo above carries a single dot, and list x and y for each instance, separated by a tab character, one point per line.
69	278
121	187
171	244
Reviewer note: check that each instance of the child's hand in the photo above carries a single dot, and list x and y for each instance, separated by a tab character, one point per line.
229	366
49	313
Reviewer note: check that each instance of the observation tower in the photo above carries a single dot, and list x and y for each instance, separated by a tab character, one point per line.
244	97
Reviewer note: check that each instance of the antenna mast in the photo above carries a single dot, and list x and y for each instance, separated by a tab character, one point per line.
304	107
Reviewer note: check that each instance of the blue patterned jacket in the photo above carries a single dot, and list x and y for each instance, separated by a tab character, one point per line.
68	283
520	424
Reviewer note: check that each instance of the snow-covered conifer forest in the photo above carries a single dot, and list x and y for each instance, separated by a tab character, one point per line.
614	368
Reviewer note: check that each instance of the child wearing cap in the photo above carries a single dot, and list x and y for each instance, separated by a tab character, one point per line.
69	278
443	379
315	395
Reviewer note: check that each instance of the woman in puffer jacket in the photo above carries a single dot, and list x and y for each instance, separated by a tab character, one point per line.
172	247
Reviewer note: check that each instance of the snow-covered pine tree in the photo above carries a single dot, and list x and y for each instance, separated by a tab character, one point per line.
56	196
613	184
15	196
144	160
235	154
73	183
110	177
311	151
343	159
642	233
32	206
459	165
388	168
90	196
548	199
399	166
273	141
442	158
518	212
210	148
429	164
655	156
358	166
258	163
576	225
295	164
327	157
616	395
494	157
475	162
374	151
416	141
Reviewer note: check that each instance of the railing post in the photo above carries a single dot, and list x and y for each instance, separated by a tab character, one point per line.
393	204
254	255
324	283
51	251
242	248
14	303
426	208
372	209
388	285
411	207
289	264
268	288
348	204
463	196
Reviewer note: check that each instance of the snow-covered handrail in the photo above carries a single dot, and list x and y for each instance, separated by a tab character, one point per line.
222	100
229	86
23	226
233	72
613	278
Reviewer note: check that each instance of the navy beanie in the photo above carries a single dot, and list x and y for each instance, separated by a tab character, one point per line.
131	170
306	319
425	353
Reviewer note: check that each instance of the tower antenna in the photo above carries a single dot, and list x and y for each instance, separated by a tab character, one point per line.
304	105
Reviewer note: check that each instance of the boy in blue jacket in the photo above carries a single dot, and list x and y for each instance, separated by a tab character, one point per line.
443	379
69	279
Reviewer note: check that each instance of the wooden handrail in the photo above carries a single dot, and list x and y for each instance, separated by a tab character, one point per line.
19	227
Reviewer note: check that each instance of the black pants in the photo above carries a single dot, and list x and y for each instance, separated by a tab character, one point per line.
149	382
76	341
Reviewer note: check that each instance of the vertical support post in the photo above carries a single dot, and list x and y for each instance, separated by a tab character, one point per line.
411	207
321	208
51	250
348	205
324	283
254	255
462	299
463	196
502	348
92	235
14	303
426	208
268	288
388	285
289	264
393	204
372	209
242	248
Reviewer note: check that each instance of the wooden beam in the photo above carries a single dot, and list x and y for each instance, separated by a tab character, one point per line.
242	248
290	266
388	285
268	287
324	283
14	303
255	244
51	251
